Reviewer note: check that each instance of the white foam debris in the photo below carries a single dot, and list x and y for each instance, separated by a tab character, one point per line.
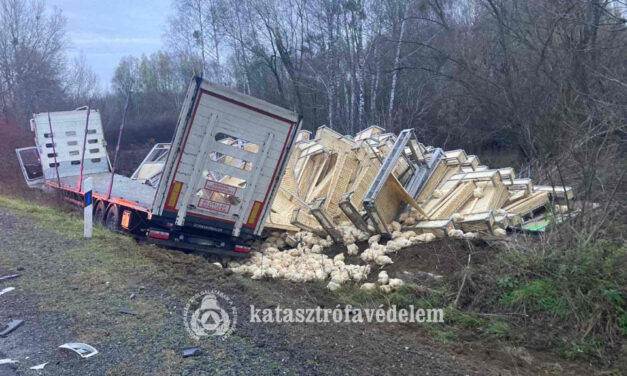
39	366
6	289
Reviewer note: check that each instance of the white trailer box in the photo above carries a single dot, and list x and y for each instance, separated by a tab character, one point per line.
226	160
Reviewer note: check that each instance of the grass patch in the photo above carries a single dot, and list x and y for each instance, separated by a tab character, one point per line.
587	285
91	280
456	322
537	294
402	297
574	293
67	224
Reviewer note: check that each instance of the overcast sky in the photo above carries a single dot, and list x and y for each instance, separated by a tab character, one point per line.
106	30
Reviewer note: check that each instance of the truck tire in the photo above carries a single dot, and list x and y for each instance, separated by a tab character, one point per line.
99	213
112	219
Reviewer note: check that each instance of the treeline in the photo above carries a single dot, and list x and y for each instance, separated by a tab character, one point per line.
478	74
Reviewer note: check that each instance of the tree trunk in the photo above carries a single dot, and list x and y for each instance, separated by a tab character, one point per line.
397	65
374	85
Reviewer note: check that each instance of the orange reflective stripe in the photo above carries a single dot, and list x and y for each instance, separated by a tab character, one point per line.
254	213
173	197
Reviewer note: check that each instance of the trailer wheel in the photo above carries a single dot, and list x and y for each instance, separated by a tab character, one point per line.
99	213
112	219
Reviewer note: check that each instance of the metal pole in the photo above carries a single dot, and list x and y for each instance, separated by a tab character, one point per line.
54	150
117	147
80	177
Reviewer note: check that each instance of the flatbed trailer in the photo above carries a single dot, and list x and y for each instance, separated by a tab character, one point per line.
212	193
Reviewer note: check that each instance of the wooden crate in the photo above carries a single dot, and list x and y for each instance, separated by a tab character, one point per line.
476	222
535	201
557	193
455	157
439	228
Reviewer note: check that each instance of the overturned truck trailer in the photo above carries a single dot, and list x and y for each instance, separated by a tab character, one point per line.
210	189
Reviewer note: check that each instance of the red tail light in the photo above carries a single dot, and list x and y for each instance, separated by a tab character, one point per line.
242	249
157	234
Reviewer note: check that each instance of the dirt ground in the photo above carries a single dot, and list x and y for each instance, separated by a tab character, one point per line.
72	290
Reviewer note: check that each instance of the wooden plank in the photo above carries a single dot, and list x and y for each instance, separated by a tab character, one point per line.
453	201
436	178
343	174
535	201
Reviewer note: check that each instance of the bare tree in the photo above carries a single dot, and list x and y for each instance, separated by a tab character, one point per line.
402	8
81	83
32	43
195	28
127	75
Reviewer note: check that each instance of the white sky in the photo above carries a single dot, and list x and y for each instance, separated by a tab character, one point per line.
107	30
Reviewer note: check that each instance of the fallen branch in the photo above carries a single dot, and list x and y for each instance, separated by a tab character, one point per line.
459	292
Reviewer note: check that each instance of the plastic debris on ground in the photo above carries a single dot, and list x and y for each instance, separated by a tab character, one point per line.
5	290
82	349
39	366
191	351
10	327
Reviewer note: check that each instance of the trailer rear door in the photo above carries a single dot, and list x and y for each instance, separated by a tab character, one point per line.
31	166
226	160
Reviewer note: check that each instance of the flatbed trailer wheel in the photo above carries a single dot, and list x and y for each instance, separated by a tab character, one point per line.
112	219
99	212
